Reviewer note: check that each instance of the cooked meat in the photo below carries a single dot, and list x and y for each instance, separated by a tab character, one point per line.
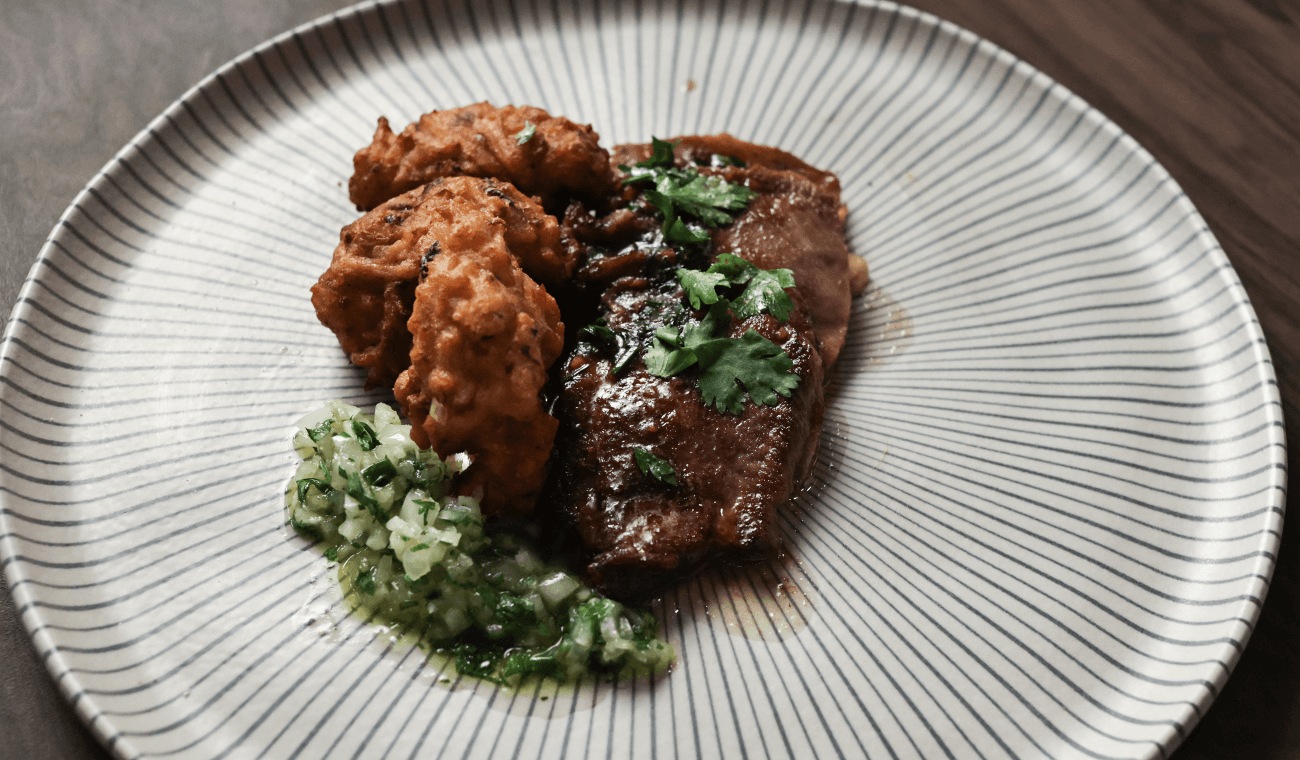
436	290
367	294
560	160
796	223
731	471
484	335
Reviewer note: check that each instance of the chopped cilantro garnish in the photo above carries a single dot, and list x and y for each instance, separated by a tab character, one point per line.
307	483
357	490
595	331
419	547
323	430
711	200
366	582
661	154
764	291
649	464
701	287
526	134
332	554
380	472
765	370
365	435
426	505
625	346
305	529
751	360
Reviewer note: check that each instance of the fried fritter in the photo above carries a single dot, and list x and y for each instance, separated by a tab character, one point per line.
484	336
560	160
367	294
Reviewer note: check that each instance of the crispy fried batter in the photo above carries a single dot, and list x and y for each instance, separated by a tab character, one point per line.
484	336
366	295
560	160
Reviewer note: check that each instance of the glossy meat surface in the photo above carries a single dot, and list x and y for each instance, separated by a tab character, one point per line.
732	471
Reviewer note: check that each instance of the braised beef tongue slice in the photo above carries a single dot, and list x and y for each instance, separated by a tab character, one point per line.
731	471
796	222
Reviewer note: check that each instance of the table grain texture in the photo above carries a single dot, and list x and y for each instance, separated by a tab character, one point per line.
1210	87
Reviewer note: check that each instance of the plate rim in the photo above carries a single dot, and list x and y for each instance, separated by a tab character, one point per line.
17	575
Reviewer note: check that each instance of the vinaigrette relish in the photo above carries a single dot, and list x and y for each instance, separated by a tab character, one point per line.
417	559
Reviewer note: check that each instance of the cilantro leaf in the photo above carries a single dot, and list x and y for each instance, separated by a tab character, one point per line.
525	134
661	154
649	464
365	435
678	231
701	287
711	200
736	270
664	357
596	331
323	430
766	292
706	198
754	361
625	346
305	483
365	582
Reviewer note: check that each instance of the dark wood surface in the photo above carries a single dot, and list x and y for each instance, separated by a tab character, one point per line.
1210	87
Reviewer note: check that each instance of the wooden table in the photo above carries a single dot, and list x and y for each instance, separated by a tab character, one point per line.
1210	87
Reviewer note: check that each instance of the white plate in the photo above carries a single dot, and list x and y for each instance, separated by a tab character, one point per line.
1043	523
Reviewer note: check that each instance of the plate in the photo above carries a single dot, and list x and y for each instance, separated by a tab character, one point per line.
1042	522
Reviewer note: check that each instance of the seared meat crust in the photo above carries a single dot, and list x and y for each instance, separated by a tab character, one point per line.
732	471
367	294
562	159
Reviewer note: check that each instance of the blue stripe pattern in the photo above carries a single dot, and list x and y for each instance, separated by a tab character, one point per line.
1050	488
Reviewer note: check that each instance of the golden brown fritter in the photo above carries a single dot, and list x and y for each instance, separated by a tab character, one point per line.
366	295
561	159
484	336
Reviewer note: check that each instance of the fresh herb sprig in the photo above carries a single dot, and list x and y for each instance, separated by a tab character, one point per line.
764	291
656	467
730	368
710	201
726	364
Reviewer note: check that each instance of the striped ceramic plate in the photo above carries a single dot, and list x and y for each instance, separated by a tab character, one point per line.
1043	519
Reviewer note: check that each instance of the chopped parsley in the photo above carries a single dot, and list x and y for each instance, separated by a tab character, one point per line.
526	134
659	469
